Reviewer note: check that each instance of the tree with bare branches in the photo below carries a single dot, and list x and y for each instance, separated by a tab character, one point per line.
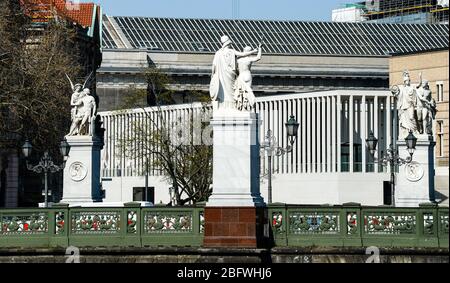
186	163
34	92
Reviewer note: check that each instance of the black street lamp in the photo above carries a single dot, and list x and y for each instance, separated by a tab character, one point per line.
46	164
27	148
270	146
64	148
392	157
292	129
411	142
372	143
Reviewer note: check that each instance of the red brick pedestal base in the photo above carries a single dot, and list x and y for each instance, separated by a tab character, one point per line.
234	227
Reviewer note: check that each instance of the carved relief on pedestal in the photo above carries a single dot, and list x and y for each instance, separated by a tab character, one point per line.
414	171
78	171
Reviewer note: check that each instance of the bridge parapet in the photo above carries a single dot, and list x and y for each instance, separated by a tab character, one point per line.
349	225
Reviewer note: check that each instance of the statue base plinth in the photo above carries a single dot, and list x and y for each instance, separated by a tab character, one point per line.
236	166
415	181
82	171
234	214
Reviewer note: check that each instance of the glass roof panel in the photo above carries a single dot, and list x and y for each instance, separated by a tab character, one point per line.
280	37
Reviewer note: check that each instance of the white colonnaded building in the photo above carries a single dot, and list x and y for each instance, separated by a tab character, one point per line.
329	164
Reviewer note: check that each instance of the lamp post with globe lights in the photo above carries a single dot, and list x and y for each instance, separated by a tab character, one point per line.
270	146
46	164
392	157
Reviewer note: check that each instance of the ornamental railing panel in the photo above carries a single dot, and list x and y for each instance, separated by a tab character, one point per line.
313	222
24	224
98	222
389	223
168	222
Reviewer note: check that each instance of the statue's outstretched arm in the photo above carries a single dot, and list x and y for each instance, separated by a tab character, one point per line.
76	103
420	80
245	54
257	57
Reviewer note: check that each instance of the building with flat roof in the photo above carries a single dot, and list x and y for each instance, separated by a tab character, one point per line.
394	11
298	56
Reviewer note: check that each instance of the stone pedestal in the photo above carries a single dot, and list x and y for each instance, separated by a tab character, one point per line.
415	181
234	214
236	166
82	171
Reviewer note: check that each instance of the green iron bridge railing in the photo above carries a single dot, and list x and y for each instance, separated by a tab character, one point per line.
347	225
357	226
128	226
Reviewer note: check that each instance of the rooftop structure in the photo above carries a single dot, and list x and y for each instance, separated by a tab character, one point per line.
279	37
394	11
82	14
298	56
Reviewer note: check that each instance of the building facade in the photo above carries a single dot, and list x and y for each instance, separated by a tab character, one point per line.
394	12
329	162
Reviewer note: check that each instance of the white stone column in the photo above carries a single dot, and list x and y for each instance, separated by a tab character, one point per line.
323	158
363	133
82	171
415	181
303	126
333	127
313	136
330	149
388	126
236	160
339	133
308	136
351	112
375	129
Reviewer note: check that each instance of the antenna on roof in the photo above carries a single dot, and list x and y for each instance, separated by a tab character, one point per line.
235	9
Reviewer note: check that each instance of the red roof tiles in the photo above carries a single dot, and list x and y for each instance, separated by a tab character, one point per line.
43	10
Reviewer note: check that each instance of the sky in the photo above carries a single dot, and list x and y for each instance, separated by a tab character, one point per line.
306	10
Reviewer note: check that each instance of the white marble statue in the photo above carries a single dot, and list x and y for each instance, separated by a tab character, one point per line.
84	109
426	107
224	73
406	95
76	93
243	93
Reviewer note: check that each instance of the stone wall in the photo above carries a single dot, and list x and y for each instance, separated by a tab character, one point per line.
229	255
